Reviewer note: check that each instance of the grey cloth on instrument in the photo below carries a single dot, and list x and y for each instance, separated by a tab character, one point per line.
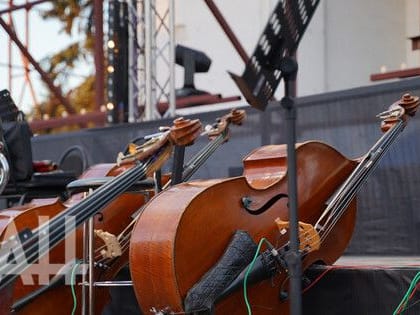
239	253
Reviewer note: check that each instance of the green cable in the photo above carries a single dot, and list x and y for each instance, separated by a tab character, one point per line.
407	294
73	292
251	265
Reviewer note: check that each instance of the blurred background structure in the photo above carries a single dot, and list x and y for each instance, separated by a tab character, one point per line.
127	67
107	62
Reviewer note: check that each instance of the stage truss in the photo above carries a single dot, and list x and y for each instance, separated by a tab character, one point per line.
151	59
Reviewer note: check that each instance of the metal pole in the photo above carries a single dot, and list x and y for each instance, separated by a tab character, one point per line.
148	58
26	63
177	165
132	60
99	53
85	260
91	266
228	31
293	258
9	41
154	57
172	100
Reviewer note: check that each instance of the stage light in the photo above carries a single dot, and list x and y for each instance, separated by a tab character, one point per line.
110	106
110	69
64	114
111	44
383	69
83	111
193	61
45	117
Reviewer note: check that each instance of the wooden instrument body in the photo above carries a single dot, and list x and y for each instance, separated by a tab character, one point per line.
114	218
111	207
6	299
184	231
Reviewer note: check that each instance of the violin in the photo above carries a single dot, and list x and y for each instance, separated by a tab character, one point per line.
194	247
52	236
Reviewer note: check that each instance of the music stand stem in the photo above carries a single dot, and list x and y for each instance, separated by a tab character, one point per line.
289	68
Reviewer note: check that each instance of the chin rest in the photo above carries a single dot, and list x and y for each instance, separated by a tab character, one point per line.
86	184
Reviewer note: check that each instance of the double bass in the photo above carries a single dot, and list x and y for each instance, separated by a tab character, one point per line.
194	245
33	297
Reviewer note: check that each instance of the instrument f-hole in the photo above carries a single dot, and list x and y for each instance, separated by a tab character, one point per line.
253	207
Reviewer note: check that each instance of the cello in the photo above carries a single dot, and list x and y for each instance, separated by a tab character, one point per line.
55	231
194	245
114	225
219	134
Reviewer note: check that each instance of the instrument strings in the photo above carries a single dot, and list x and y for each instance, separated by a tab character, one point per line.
351	186
199	158
81	212
202	156
190	169
337	206
367	167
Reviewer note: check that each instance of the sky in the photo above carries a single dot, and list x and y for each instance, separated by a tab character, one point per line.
45	38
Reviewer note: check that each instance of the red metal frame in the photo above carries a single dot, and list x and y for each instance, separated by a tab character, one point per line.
9	43
26	56
98	118
399	74
228	31
99	54
27	6
55	90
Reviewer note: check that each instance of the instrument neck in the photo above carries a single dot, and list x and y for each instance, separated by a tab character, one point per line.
345	194
198	160
49	234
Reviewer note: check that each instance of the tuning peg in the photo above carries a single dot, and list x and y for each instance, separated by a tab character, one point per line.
410	103
391	113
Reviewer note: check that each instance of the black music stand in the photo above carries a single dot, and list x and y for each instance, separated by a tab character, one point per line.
271	61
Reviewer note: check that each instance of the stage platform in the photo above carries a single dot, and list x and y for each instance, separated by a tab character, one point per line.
354	285
362	285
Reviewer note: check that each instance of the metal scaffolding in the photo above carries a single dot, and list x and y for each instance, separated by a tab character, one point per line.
151	59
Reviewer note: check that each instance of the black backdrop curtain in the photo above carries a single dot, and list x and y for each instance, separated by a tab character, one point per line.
388	220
